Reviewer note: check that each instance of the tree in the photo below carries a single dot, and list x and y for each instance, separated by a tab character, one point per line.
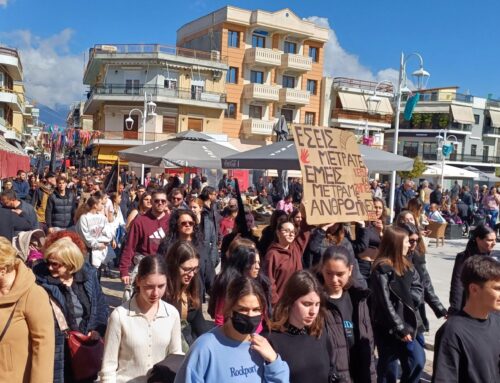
418	168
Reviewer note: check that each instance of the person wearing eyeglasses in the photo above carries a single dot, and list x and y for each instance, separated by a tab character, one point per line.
145	234
284	256
184	290
176	199
73	285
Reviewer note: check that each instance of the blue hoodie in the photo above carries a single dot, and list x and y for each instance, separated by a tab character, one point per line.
216	358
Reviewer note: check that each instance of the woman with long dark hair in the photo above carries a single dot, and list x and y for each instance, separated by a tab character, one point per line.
268	233
142	331
234	352
143	206
482	241
368	237
184	289
183	226
298	334
348	322
397	294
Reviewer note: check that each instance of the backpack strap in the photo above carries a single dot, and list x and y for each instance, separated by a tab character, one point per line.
61	320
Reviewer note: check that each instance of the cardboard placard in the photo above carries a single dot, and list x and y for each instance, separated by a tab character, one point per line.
335	178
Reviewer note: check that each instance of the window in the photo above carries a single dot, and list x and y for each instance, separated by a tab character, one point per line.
196	92
255	111
170	84
232	75
132	86
429	151
410	149
486	150
195	124
312	86
256	77
233	39
314	54
230	112
288	114
169	124
288	82
1	79
473	150
258	41
290	47
309	118
476	119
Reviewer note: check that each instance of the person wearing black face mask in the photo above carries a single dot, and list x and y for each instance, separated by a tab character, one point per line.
233	352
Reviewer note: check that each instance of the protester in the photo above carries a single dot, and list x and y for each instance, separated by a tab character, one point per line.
397	293
491	203
348	323
142	331
403	194
61	206
482	241
195	205
145	235
227	223
74	287
436	196
27	324
209	224
234	351
295	217
184	290
9	200
284	256
20	185
269	232
466	347
298	335
285	204
143	206
176	199
41	198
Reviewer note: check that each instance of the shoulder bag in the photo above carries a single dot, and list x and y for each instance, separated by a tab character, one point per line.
8	322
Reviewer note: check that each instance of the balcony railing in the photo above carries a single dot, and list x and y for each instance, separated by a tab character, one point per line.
360	116
294	96
493	103
259	127
492	130
186	94
263	56
156	48
458	157
261	92
11	52
132	135
443	97
362	84
12	98
297	62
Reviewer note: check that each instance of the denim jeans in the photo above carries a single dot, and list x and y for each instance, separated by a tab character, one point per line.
411	355
493	218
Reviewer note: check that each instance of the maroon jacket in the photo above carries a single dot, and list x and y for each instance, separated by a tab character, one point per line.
144	237
280	263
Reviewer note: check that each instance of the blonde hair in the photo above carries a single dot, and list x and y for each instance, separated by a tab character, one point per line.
66	251
8	255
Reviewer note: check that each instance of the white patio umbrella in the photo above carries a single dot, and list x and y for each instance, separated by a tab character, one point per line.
449	172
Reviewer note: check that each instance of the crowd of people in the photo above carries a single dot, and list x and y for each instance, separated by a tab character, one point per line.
340	302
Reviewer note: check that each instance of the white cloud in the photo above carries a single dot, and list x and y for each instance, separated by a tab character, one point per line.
52	75
3	3
338	62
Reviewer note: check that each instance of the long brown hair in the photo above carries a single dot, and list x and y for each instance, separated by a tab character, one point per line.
390	251
241	287
180	252
300	283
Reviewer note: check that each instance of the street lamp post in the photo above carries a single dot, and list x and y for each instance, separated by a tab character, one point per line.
442	141
373	101
149	109
422	76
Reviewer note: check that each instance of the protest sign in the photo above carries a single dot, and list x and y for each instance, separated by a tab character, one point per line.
335	178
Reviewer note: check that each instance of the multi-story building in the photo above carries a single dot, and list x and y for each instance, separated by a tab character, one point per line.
472	125
275	67
187	87
363	107
77	120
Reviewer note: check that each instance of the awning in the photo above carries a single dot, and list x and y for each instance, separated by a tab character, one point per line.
495	118
109	159
353	101
449	172
12	159
462	114
432	109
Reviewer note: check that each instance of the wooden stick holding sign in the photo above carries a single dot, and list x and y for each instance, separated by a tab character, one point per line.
335	178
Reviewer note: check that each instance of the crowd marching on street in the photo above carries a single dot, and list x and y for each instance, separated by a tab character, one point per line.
341	302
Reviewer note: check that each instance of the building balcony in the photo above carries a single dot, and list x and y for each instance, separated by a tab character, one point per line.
10	97
129	138
294	96
254	126
455	157
9	59
443	97
342	114
290	61
491	132
261	92
121	93
263	56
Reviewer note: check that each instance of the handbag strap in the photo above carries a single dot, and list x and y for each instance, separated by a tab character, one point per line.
8	322
61	320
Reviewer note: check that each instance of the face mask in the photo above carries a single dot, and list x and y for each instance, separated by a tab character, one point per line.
245	324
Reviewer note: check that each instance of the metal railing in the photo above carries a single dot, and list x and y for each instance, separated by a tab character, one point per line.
493	103
156	48
492	130
132	135
360	116
362	84
458	157
11	52
19	99
442	97
186	94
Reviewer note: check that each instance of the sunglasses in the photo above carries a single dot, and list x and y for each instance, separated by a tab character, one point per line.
413	241
54	265
177	198
162	201
186	223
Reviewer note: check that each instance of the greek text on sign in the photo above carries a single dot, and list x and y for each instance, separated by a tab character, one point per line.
335	178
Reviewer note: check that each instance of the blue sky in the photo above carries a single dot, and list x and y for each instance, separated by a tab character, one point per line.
458	41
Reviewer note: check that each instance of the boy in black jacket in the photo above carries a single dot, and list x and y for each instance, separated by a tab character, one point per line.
468	345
